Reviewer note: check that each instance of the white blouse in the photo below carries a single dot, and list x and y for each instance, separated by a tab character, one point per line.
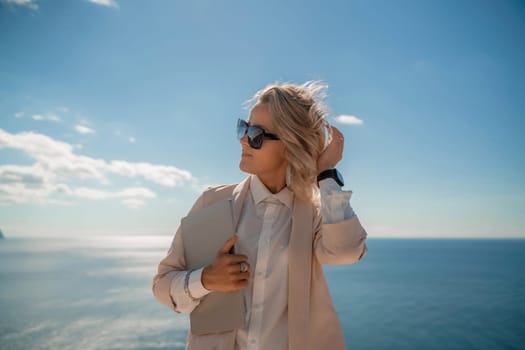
264	231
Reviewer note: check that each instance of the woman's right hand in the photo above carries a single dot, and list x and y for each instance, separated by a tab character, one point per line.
224	274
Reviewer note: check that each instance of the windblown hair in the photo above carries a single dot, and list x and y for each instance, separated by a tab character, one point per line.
299	117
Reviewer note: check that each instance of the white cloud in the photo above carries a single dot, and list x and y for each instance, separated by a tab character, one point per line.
93	193
49	117
38	146
348	119
54	156
31	4
133	203
30	174
82	129
56	164
19	184
131	139
109	3
19	114
165	175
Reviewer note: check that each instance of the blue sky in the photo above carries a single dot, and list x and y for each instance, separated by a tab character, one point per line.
115	114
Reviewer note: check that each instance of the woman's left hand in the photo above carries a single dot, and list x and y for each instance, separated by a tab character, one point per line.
333	153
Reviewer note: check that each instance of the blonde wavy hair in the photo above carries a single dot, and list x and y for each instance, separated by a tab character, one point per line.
300	119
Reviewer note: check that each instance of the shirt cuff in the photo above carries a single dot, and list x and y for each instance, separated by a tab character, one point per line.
335	203
195	286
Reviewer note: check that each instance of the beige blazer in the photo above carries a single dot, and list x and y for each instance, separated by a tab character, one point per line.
312	320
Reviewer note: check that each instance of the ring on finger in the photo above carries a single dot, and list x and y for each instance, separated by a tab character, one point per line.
244	267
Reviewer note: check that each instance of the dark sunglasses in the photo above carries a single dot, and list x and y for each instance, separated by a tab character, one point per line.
256	134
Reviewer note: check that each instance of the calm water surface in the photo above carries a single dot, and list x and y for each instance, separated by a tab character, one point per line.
95	293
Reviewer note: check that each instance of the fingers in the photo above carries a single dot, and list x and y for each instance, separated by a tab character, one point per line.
236	268
337	135
229	244
235	259
242	276
333	152
226	273
235	275
241	284
226	282
338	142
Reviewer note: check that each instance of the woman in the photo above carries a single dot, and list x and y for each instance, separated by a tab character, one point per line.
291	217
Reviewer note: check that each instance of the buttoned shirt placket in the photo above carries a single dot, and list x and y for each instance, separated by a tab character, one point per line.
263	253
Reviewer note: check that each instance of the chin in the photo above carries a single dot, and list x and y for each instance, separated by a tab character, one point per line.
245	168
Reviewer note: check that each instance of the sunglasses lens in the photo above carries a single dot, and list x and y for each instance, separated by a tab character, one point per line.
255	133
242	127
255	136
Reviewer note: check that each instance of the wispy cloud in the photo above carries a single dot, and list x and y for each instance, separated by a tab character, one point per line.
93	193
32	185
348	119
31	4
120	134
48	117
56	164
133	203
62	109
82	129
109	3
165	175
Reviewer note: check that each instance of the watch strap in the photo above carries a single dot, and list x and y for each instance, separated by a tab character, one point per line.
330	173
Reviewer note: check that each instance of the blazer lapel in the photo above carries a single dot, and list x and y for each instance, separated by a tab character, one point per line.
299	274
238	196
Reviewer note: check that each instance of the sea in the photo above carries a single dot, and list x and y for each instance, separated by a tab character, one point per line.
414	294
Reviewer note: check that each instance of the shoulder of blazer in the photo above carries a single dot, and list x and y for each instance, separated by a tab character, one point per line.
214	194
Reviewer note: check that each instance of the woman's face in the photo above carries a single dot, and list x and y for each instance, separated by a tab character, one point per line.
270	159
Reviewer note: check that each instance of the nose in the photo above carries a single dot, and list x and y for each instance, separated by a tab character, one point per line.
244	140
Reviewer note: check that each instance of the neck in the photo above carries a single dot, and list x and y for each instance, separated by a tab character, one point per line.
274	182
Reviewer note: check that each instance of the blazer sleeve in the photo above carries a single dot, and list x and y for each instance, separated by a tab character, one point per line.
168	282
339	243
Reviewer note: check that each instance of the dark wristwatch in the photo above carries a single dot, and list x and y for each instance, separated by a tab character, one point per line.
334	174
